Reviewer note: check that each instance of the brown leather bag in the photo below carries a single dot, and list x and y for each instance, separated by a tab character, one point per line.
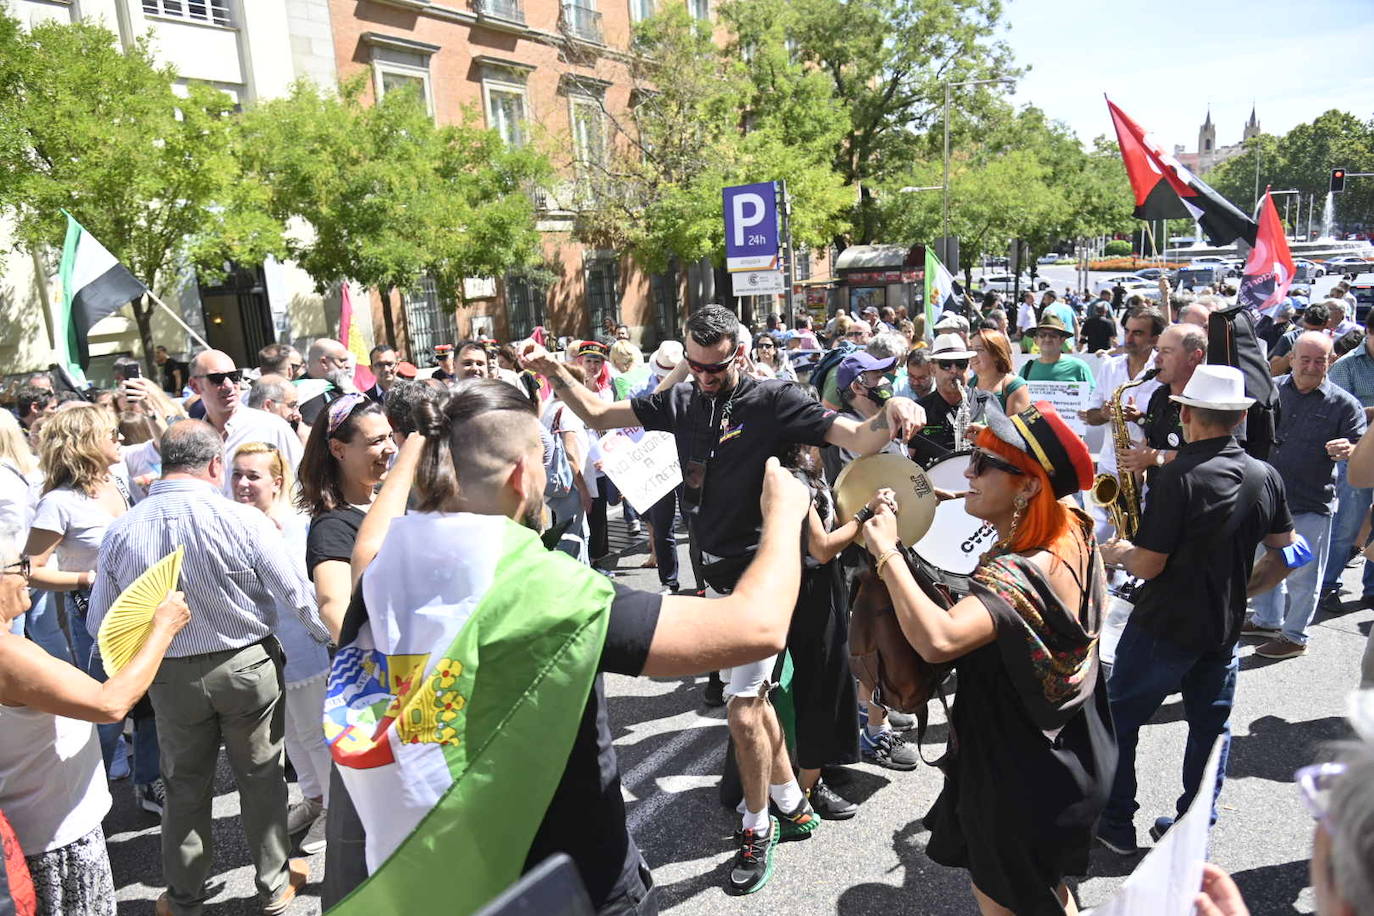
879	653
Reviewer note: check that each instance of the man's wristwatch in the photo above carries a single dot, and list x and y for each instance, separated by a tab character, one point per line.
1159	458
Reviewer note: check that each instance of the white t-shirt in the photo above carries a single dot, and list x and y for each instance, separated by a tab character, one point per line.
18	498
80	520
559	418
1110	377
1025	317
140	459
52	779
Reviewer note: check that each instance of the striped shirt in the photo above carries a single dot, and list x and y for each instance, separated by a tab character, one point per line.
236	572
1354	373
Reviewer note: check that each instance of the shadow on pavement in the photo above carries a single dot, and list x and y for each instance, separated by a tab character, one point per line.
926	886
1273	744
1272	890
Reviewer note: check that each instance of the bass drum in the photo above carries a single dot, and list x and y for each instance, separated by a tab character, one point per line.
956	541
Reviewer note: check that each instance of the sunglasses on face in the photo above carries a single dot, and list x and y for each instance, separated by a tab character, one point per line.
854	334
709	368
951	365
1314	786
217	378
981	462
765	346
21	567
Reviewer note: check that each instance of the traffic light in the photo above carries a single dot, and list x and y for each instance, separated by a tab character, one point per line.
1337	180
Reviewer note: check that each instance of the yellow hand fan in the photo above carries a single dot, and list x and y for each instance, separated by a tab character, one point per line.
125	628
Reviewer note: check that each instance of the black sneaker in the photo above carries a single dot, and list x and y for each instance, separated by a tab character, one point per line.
1160	827
888	751
1119	839
799	825
753	864
151	796
713	694
830	805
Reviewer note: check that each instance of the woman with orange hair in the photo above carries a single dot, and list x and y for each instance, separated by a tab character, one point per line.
1035	750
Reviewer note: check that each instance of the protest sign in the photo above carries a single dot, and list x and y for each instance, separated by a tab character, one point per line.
642	465
1067	397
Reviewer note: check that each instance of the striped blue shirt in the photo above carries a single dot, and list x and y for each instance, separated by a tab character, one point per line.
1354	373
235	574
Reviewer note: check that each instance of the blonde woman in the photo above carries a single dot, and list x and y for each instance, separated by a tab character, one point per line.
628	363
78	449
261	479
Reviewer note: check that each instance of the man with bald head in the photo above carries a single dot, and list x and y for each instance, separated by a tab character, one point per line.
328	376
216	380
1319	424
276	395
1195	313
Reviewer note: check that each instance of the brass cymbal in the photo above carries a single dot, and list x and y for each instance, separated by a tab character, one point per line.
916	500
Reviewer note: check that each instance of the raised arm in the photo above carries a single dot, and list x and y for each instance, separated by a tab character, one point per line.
31	677
389	504
705	634
593	411
900	418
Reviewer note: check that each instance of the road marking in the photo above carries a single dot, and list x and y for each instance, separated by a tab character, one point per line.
706	762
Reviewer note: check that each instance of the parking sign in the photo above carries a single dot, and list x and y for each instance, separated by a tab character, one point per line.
751	227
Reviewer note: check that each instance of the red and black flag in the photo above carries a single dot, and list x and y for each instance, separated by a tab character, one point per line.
1269	269
1165	189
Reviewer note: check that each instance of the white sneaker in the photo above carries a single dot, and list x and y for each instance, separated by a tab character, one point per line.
314	841
302	814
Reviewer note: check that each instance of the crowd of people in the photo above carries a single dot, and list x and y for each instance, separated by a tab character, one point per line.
327	519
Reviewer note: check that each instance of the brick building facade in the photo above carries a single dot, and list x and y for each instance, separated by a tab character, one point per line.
545	71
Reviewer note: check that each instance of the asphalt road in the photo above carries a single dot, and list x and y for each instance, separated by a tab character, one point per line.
671	749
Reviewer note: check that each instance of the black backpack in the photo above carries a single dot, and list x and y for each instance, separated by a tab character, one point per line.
1232	341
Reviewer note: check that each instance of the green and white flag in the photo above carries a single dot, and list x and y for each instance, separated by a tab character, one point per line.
940	295
452	707
94	284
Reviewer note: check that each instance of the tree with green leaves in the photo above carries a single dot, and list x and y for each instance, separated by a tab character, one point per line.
887	62
703	118
387	196
1303	159
100	132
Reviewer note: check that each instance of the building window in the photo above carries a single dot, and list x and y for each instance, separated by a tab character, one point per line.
803	257
395	78
506	111
588	133
525	301
581	20
211	11
700	9
427	323
664	288
602	300
641	10
400	63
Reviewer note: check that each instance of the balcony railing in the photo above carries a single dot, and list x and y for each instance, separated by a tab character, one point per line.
509	10
581	21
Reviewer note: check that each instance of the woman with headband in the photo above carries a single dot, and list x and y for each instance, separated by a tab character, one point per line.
346	459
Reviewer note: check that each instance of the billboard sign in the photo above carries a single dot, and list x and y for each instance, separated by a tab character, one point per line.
751	226
758	282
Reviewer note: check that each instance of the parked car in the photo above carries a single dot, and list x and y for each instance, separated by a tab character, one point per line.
1348	264
1308	269
1005	283
1154	273
1362	288
1195	275
1048	258
1107	285
1208	259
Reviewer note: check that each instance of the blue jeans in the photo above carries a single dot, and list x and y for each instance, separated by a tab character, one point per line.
146	765
662	515
1352	504
1146	671
1292	603
43	624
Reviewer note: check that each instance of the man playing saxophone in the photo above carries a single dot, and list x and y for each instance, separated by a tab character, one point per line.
1143	327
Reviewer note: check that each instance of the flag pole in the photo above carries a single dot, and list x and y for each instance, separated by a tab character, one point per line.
177	318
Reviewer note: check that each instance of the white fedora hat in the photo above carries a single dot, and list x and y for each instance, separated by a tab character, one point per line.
1215	387
950	346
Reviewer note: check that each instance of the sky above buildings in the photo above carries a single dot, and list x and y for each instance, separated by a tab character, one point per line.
1165	62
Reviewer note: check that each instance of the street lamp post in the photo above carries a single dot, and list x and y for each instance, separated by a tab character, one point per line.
948	87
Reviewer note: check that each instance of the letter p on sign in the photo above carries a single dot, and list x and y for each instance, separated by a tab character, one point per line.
749	211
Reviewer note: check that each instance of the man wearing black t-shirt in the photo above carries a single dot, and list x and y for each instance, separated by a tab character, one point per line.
1180	350
492	435
1208	511
949	355
1099	331
727	424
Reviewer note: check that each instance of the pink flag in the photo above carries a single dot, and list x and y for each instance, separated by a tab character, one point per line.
1269	269
351	336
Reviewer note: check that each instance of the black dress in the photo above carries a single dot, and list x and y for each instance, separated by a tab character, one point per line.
1036	751
823	693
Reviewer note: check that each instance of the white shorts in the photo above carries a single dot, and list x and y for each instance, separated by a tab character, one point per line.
751	680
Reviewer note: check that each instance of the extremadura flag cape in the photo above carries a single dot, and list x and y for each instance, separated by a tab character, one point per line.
452	707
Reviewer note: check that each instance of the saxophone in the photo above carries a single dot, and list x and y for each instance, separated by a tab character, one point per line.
1120	496
962	417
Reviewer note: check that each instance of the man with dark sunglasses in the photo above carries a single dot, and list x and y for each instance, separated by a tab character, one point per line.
216	380
949	355
727	424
